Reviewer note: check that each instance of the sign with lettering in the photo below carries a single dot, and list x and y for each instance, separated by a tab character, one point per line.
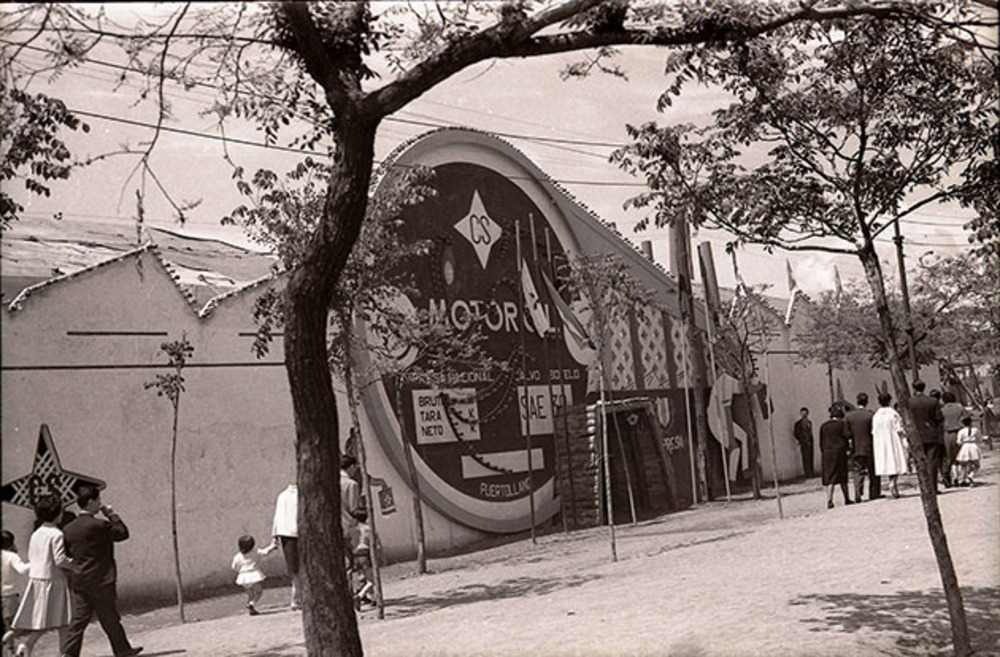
470	425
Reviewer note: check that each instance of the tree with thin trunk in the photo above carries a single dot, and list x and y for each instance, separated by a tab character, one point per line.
741	336
606	293
311	67
858	125
171	386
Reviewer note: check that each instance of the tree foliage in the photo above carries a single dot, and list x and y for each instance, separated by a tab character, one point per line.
954	302
33	151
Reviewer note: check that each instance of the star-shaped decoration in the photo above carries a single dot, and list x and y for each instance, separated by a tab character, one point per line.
477	227
47	477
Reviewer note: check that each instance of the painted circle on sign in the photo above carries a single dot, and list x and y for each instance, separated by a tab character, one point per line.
470	425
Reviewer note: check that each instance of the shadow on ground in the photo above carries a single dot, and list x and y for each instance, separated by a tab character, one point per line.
919	618
413	605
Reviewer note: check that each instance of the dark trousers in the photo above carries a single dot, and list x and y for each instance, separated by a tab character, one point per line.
290	548
950	452
102	601
864	466
934	452
807	458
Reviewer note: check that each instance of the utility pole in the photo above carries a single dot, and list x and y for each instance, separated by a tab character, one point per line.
681	267
904	289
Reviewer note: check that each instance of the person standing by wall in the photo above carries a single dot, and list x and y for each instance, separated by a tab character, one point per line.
859	423
834	444
803	432
91	542
927	417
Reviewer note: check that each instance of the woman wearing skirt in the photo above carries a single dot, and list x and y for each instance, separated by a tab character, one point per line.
45	604
834	442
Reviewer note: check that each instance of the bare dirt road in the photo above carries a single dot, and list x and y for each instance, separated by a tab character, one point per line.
720	579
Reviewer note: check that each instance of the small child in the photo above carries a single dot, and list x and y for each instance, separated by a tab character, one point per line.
249	575
968	455
361	581
13	567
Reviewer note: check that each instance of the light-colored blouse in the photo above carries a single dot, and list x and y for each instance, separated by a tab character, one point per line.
47	554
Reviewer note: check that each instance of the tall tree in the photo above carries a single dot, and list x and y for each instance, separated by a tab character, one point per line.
858	124
277	64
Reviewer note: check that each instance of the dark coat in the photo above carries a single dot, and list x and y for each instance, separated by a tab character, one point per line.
859	423
91	543
928	418
803	431
834	441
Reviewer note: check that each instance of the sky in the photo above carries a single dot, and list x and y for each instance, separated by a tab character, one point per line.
522	100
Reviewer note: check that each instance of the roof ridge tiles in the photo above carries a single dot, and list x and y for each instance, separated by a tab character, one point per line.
18	302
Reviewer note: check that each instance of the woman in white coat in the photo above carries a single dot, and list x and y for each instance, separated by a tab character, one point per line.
45	604
889	443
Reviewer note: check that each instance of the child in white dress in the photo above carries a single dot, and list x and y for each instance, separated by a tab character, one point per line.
13	568
249	575
968	455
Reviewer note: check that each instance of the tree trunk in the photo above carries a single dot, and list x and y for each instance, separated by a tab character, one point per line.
329	621
753	438
927	480
173	509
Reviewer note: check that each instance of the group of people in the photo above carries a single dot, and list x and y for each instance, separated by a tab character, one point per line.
873	444
284	533
72	577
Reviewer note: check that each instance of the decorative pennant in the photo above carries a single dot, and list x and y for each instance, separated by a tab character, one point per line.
47	477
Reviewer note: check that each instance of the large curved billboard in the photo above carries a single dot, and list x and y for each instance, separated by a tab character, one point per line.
493	234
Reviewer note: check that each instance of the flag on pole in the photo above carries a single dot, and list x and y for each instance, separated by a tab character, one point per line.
570	322
793	287
533	303
793	290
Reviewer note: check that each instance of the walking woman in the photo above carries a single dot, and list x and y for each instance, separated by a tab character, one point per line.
889	443
45	604
834	442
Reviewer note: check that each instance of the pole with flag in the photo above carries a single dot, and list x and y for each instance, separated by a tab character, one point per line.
526	425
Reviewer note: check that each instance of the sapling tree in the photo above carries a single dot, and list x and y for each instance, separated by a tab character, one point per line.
171	386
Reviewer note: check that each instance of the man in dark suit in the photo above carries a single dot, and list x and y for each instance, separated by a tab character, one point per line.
927	416
859	422
91	542
803	432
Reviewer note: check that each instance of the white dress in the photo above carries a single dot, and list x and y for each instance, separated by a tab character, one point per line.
888	442
46	601
247	567
968	451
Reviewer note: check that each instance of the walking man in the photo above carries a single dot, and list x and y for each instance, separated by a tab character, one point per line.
90	541
927	416
803	432
859	423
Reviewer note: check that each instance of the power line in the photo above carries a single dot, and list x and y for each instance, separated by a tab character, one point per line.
286	149
392	119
